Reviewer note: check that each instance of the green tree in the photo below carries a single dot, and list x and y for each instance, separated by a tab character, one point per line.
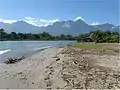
3	34
13	36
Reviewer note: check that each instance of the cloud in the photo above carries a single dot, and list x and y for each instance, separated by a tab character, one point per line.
44	22
7	21
79	17
39	22
95	23
33	21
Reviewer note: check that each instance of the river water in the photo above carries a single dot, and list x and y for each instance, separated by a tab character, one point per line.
26	48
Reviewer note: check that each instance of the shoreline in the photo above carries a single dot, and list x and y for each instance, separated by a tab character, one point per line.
21	56
17	73
62	68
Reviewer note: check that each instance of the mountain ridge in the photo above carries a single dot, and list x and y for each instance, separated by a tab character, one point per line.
57	28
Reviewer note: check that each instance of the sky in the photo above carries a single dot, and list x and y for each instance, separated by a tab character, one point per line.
45	12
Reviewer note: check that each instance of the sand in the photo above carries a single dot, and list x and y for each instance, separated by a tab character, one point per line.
29	73
62	68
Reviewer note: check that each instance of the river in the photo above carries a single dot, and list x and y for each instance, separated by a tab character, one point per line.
26	48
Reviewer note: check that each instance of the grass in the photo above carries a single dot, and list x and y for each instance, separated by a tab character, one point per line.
98	46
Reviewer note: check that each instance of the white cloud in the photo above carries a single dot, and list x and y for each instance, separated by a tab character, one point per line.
33	21
39	22
95	23
79	17
7	21
43	22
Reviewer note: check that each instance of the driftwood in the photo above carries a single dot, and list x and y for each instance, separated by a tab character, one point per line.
14	60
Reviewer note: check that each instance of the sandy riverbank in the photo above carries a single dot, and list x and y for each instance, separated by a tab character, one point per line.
29	73
63	68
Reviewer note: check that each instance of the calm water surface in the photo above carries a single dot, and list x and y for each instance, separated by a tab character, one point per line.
26	48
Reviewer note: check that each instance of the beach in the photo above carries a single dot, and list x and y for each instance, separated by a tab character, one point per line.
63	68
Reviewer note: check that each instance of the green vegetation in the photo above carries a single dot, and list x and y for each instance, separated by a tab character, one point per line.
97	36
28	36
101	36
98	46
89	45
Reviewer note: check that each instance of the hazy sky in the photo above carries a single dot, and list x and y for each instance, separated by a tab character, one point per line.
92	11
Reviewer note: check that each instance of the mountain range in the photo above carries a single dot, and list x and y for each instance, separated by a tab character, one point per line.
57	28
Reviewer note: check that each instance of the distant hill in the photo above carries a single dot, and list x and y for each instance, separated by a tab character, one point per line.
105	26
57	28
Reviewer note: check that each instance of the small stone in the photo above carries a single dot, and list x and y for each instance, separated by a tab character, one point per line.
19	73
46	78
57	59
32	82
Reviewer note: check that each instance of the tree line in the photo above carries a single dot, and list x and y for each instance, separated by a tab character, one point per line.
4	36
97	36
101	36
